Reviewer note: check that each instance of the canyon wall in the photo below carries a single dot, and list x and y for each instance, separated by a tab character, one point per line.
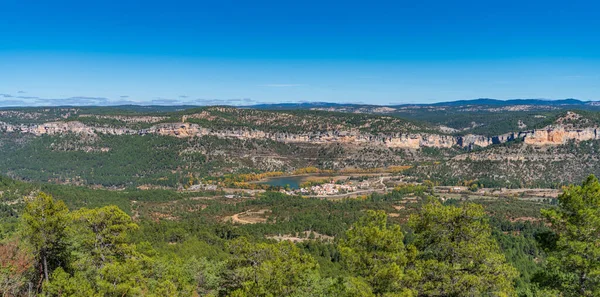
548	136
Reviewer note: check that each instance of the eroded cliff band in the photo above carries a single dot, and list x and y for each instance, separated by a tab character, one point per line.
555	135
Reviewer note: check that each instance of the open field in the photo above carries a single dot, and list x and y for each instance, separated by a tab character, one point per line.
249	217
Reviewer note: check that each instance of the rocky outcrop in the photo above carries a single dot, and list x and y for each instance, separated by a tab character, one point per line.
53	128
556	135
559	135
126	119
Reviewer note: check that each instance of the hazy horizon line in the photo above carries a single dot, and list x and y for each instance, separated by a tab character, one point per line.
104	102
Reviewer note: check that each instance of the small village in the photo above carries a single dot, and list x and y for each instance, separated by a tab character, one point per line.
332	188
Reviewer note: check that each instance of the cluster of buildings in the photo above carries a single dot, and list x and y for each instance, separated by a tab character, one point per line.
206	187
364	184
324	189
330	188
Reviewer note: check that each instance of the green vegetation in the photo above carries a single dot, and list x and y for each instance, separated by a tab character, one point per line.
132	160
298	121
573	264
429	249
130	215
457	253
376	254
516	165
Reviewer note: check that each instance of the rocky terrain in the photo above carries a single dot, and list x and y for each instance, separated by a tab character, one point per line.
562	131
165	147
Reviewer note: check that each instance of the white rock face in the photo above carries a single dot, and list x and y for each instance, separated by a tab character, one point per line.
556	135
560	135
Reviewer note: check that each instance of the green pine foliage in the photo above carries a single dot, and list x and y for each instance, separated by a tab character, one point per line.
573	263
431	249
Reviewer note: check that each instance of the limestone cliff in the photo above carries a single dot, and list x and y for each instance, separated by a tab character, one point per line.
551	135
559	135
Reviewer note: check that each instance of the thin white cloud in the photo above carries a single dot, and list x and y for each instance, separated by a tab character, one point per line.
9	100
576	77
231	102
282	85
12	103
77	100
165	101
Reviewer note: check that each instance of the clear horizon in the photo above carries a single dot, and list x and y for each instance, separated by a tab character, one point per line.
57	53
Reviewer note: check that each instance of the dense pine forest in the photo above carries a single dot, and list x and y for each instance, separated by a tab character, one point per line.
299	148
59	240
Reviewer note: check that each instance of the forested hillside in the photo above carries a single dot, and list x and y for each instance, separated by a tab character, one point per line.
184	202
165	147
74	241
299	148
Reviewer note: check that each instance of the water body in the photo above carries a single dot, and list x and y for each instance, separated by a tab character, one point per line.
293	181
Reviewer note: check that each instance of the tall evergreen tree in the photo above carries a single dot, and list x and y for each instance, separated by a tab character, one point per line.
375	252
270	270
103	233
45	222
457	254
573	264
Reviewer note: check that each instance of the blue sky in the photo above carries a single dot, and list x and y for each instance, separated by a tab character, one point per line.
246	52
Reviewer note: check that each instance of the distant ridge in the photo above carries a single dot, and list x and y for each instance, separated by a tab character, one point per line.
480	101
498	102
301	105
311	105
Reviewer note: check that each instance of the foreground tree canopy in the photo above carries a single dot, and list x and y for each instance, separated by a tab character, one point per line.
573	266
445	249
375	253
457	255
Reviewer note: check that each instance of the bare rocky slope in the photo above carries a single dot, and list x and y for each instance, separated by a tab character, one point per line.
559	133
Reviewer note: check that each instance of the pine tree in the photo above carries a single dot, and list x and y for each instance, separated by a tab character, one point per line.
457	255
375	252
573	264
45	222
